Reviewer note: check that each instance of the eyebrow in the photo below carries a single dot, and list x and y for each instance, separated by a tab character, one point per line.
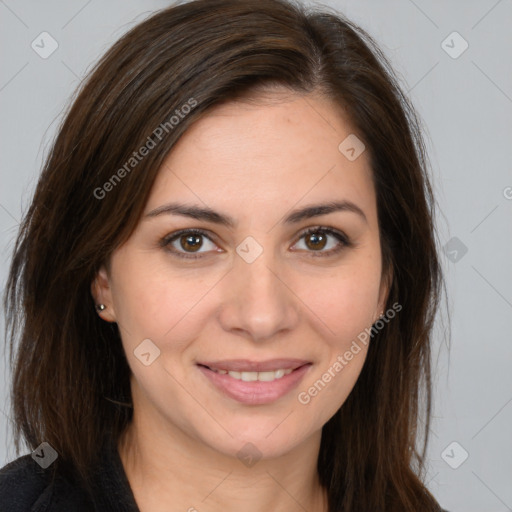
209	215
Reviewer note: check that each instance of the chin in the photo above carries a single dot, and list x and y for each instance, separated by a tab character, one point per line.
267	438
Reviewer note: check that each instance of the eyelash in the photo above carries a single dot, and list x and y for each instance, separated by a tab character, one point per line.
341	237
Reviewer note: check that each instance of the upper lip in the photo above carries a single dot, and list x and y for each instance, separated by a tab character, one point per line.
245	365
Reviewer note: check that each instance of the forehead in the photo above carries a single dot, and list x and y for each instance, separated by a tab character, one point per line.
275	149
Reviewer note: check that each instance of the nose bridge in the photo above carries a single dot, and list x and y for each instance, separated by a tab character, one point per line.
259	278
259	302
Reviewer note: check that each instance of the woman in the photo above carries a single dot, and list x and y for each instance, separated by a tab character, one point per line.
222	294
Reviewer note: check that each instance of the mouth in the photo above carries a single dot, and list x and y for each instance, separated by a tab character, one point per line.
250	371
267	376
255	382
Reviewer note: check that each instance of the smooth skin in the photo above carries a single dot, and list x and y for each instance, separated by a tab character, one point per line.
255	162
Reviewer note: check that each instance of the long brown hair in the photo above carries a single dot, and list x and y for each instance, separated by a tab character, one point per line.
70	383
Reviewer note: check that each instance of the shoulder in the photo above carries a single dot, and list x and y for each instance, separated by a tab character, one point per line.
26	486
22	484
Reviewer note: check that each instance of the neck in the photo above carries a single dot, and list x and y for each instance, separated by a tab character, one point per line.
176	472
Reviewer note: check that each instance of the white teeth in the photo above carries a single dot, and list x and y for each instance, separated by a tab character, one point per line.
269	376
253	376
249	376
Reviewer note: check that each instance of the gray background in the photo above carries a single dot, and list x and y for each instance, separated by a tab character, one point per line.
466	105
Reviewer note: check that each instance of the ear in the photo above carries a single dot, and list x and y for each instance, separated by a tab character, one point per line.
385	287
102	294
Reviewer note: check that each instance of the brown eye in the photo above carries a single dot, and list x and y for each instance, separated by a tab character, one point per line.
186	242
191	242
316	239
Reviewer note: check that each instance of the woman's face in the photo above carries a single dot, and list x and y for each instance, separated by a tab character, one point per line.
256	288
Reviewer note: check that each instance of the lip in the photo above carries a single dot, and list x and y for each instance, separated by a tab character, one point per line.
245	365
255	392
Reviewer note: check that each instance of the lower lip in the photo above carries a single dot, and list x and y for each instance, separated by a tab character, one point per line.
255	392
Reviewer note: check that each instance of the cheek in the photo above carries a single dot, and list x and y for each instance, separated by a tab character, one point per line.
153	300
344	302
347	309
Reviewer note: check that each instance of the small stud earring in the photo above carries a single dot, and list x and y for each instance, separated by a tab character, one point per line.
101	307
379	317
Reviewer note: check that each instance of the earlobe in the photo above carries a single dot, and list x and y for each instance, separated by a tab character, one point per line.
102	295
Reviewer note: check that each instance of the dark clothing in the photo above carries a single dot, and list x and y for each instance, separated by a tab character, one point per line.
26	487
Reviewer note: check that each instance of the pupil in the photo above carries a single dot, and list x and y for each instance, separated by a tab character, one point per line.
192	241
315	238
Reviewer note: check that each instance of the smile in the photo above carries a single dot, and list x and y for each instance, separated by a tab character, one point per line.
253	376
254	388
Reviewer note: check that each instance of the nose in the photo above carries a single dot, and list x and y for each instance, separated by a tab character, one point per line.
257	300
